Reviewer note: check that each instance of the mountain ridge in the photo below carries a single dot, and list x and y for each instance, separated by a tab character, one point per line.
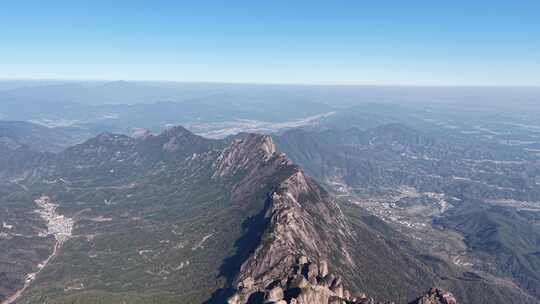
248	180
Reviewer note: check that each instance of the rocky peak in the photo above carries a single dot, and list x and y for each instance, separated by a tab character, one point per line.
179	139
176	138
177	131
244	153
141	134
173	143
267	145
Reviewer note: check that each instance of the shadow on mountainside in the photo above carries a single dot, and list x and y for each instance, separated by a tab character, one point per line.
254	228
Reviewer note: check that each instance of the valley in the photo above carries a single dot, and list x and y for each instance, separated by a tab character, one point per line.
59	227
412	214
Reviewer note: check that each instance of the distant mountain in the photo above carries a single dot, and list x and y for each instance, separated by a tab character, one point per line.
102	92
94	93
122	106
395	154
16	134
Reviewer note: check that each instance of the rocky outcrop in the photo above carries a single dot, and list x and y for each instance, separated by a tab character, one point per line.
244	153
309	282
436	296
302	218
306	282
248	164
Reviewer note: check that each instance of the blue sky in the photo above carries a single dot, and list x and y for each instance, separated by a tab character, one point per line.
321	42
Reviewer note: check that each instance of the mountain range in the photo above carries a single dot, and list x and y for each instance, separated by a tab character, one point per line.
178	218
332	201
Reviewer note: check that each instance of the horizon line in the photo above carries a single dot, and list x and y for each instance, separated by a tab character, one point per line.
299	84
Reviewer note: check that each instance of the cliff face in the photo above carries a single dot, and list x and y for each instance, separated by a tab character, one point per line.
250	164
306	237
302	217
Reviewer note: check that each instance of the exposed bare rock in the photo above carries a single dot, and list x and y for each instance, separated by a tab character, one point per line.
299	286
323	268
436	296
235	299
298	281
311	272
244	152
274	295
297	289
247	283
249	162
292	230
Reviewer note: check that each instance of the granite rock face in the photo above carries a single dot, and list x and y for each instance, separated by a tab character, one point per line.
436	296
308	282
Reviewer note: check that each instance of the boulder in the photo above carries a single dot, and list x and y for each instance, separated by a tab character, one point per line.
311	272
312	296
346	294
309	282
323	268
298	281
328	280
247	283
274	295
437	296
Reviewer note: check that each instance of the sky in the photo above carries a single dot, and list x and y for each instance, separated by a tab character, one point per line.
310	42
